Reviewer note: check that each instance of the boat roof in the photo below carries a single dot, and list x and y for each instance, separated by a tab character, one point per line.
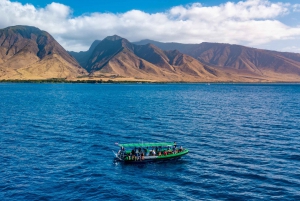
155	144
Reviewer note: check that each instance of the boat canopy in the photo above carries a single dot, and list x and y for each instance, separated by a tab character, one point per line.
160	144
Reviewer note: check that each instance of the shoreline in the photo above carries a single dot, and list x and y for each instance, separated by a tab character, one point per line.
58	80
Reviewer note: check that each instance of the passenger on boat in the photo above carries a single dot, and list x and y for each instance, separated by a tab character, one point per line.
174	149
147	153
144	151
121	152
130	156
142	156
133	154
175	145
181	149
169	151
153	152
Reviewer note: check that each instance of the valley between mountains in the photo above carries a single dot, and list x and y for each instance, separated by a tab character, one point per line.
28	53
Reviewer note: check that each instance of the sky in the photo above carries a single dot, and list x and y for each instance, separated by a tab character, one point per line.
266	24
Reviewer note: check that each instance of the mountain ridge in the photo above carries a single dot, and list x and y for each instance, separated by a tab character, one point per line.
117	56
237	56
83	56
226	62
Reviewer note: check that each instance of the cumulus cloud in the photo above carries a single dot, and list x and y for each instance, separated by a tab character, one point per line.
296	8
248	22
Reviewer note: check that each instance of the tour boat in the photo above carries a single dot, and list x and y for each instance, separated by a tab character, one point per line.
149	152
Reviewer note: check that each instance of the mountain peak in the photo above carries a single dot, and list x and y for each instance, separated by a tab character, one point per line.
94	45
113	38
115	41
22	27
24	31
36	55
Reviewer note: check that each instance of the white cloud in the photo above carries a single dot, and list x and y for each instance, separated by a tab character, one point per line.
249	22
296	8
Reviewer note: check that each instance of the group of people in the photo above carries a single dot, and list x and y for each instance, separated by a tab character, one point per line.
138	154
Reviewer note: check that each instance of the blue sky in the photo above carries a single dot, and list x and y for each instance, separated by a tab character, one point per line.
267	24
115	6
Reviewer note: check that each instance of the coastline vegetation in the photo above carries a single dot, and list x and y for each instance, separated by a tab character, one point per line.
63	80
100	81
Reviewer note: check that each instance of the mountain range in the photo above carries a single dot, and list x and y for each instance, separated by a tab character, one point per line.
118	57
30	53
258	61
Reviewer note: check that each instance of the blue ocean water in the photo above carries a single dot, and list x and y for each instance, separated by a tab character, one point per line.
57	141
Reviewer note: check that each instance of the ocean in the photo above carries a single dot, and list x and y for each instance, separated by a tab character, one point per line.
57	141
